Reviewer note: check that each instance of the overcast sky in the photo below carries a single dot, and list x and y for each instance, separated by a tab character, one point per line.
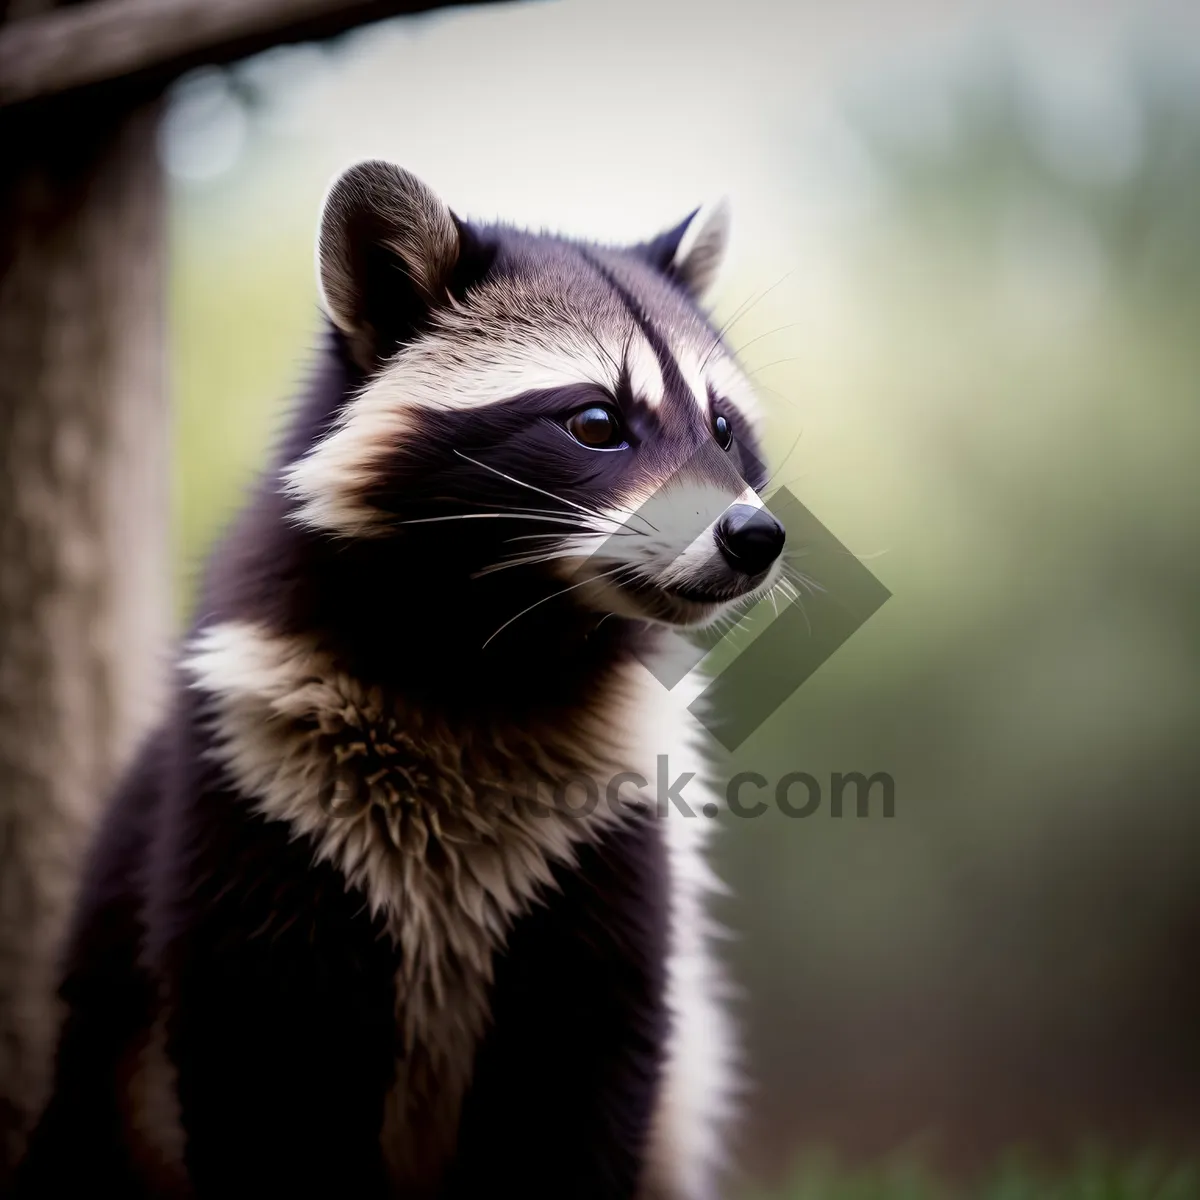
609	118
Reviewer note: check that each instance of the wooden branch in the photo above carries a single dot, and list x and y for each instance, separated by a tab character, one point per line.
132	40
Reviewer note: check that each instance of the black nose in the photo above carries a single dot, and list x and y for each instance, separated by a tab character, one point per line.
749	538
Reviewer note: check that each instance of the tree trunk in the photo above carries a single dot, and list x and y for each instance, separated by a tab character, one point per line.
84	498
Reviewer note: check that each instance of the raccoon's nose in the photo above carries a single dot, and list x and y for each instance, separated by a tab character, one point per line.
749	538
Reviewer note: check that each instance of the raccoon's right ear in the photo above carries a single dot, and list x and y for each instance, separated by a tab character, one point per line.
389	252
691	254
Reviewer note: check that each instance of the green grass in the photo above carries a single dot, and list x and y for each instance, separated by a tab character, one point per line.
1094	1176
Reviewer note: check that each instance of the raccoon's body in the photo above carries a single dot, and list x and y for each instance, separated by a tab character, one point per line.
393	902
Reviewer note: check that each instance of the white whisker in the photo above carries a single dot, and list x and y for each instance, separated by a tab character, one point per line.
552	596
523	560
799	602
741	311
783	463
802	581
535	537
560	512
514	516
769	333
592	512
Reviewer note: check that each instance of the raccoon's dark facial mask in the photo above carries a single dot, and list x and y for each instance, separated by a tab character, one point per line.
533	405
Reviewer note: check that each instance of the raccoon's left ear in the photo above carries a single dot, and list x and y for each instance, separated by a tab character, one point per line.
389	253
691	254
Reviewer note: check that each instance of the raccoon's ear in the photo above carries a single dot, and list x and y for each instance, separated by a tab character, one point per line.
691	254
388	253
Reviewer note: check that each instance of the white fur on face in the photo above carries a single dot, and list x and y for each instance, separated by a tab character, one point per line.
294	732
333	479
707	367
665	536
508	339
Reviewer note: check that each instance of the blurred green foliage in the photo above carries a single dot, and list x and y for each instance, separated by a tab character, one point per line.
1096	1177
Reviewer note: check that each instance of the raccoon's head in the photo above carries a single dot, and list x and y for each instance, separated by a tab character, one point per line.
554	417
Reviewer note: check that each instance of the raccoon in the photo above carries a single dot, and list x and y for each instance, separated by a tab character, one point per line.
388	904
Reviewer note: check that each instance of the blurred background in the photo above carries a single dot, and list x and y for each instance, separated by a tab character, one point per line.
966	259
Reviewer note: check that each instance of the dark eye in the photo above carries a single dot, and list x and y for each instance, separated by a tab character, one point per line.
596	427
723	432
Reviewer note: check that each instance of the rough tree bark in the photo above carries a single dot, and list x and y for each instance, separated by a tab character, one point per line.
84	474
84	571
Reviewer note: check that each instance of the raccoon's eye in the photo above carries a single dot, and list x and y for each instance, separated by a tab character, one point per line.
597	428
723	432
